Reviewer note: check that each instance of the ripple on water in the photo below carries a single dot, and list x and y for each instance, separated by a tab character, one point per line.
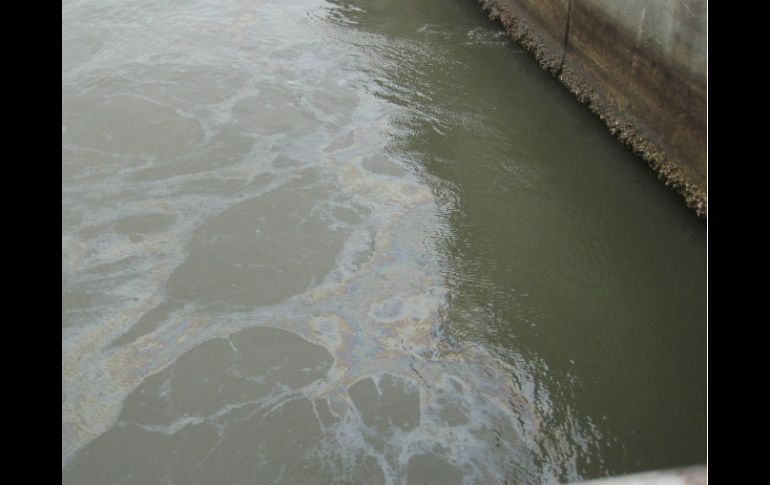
253	274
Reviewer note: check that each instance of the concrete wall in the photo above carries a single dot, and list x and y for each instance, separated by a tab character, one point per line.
639	64
682	476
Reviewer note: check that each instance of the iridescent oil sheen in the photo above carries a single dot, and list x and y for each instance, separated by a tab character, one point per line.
359	242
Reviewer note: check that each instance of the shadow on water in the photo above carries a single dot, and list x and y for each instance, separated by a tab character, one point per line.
561	246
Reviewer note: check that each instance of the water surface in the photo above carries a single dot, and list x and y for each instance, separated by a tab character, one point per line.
359	242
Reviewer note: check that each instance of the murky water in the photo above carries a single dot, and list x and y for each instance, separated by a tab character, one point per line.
364	242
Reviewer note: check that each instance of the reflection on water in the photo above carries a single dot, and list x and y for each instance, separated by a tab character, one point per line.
363	243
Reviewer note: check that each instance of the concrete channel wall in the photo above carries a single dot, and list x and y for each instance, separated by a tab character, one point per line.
639	64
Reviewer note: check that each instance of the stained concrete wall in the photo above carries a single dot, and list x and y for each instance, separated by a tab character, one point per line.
639	64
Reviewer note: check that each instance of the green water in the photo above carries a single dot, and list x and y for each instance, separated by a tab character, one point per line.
563	245
359	242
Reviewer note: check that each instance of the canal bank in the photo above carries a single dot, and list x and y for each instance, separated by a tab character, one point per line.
639	65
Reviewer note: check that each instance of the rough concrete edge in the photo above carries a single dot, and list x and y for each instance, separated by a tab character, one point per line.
663	165
694	475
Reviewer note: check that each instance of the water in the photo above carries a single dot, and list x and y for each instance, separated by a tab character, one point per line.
365	242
